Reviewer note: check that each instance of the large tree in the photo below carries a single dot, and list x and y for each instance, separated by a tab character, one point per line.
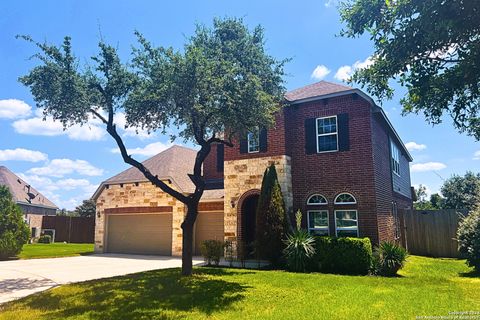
221	84
462	192
432	47
87	208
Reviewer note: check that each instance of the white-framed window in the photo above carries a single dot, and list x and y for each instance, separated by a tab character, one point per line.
318	222
317	199
346	223
253	140
395	158
345	198
327	134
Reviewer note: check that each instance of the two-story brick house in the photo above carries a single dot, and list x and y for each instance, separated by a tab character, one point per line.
338	159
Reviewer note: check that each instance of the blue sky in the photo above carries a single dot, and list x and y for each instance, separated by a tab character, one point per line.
67	166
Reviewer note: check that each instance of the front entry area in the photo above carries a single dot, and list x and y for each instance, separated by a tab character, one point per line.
139	233
247	218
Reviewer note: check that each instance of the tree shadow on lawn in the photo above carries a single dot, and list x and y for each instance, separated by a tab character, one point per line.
470	274
161	294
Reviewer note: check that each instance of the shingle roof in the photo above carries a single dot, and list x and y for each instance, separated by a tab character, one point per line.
316	89
175	162
19	189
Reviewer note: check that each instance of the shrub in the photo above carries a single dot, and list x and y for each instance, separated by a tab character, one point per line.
14	231
270	219
211	251
342	255
45	238
468	236
388	258
299	247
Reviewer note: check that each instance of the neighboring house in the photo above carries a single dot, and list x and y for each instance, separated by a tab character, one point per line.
33	204
338	159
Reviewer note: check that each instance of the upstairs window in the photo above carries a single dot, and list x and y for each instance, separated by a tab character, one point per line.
327	134
253	141
345	198
316	199
395	159
318	222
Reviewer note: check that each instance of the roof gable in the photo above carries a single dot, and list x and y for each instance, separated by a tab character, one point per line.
20	190
317	89
174	163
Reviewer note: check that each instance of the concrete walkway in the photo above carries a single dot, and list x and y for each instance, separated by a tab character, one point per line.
20	278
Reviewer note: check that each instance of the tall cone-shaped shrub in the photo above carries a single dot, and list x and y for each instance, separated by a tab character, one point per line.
270	219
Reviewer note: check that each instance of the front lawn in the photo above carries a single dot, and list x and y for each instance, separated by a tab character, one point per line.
427	287
55	250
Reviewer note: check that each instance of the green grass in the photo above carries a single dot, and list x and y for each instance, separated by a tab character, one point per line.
426	287
54	250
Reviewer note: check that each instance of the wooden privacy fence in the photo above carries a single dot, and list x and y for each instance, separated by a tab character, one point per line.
432	232
70	229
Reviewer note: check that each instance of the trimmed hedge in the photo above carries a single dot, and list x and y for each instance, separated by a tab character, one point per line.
342	255
46	238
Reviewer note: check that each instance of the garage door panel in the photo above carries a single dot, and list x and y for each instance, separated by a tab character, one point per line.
140	234
208	226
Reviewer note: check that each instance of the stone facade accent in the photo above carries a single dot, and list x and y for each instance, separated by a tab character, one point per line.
247	174
35	221
137	195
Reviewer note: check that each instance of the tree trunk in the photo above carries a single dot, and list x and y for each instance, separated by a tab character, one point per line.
187	238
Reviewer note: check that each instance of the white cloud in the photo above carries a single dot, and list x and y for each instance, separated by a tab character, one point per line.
331	3
91	131
14	109
37	126
411	146
149	150
320	72
51	189
476	155
61	167
345	72
427	166
20	154
121	121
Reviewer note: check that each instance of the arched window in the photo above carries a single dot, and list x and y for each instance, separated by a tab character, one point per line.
345	198
316	199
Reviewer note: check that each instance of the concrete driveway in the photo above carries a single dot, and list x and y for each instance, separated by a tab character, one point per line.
20	278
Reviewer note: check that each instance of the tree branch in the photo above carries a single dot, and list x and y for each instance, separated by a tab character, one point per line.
112	130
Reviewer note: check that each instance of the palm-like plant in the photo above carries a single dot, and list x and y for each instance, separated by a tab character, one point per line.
389	257
299	247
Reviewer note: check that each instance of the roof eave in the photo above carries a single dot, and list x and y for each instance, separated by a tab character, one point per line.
99	190
36	205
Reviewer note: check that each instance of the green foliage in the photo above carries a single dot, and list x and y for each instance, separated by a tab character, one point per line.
388	258
431	47
46	238
462	192
221	84
88	209
212	251
342	255
14	231
298	251
270	218
468	236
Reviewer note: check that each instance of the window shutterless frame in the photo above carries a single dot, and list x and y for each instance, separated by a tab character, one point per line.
337	228
326	134
253	145
343	195
324	228
395	156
